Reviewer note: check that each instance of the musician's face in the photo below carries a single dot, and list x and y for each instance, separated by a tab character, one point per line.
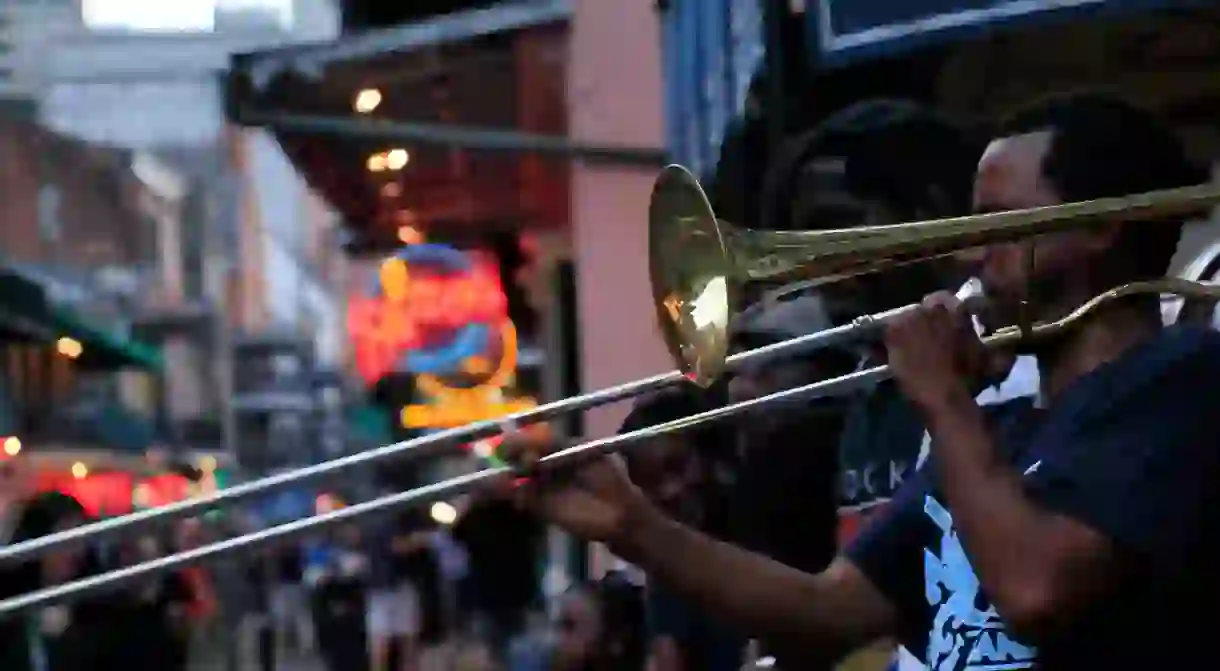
1010	177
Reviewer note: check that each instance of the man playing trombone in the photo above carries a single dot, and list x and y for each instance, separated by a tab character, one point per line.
1075	532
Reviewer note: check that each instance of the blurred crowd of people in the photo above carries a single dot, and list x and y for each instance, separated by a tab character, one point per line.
147	626
402	593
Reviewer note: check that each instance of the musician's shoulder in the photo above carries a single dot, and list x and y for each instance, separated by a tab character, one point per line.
1206	334
1198	343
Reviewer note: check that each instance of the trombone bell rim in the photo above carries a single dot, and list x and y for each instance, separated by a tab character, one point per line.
691	271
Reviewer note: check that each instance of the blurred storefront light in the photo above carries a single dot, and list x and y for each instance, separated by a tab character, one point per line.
69	347
444	513
397	159
409	235
367	100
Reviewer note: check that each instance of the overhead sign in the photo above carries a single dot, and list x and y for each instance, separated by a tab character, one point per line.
850	29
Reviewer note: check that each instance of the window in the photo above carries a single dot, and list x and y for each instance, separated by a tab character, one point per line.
49	226
181	15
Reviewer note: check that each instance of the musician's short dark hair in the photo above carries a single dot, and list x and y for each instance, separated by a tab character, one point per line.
1103	146
897	153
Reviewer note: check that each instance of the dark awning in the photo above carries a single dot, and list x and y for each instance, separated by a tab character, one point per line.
477	99
22	308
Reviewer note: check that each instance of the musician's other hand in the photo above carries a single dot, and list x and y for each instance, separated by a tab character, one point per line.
934	352
594	500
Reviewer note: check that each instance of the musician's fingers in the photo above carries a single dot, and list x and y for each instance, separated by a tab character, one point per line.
524	450
524	495
942	299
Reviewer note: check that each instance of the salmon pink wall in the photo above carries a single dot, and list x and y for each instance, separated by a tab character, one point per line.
614	98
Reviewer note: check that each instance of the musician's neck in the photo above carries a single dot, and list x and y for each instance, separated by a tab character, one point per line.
1102	338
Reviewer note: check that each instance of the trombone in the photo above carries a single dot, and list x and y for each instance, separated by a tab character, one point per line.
698	267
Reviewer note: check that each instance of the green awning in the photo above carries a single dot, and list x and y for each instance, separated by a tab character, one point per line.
103	349
26	314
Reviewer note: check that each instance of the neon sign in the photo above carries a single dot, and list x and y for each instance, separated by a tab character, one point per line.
440	313
433	308
460	407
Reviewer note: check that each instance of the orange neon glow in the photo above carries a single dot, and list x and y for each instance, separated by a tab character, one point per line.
444	415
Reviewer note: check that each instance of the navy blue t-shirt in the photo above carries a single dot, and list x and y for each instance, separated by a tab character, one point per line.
1131	450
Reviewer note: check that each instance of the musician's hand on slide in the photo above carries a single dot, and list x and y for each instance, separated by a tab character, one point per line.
934	352
594	500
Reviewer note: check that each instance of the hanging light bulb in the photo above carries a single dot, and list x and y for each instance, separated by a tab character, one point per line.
367	100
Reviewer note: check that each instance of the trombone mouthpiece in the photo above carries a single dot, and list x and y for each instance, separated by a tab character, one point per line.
971	290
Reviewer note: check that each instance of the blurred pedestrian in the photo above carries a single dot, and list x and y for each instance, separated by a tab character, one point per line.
79	636
402	567
599	626
337	572
150	623
504	546
289	601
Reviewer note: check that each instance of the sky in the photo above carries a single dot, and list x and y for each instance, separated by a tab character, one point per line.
169	15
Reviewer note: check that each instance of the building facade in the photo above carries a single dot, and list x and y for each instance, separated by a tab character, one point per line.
248	254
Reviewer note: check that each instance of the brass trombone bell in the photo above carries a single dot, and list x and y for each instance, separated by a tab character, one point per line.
699	264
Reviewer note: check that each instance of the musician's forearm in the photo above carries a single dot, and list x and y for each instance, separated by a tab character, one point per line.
749	592
999	525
